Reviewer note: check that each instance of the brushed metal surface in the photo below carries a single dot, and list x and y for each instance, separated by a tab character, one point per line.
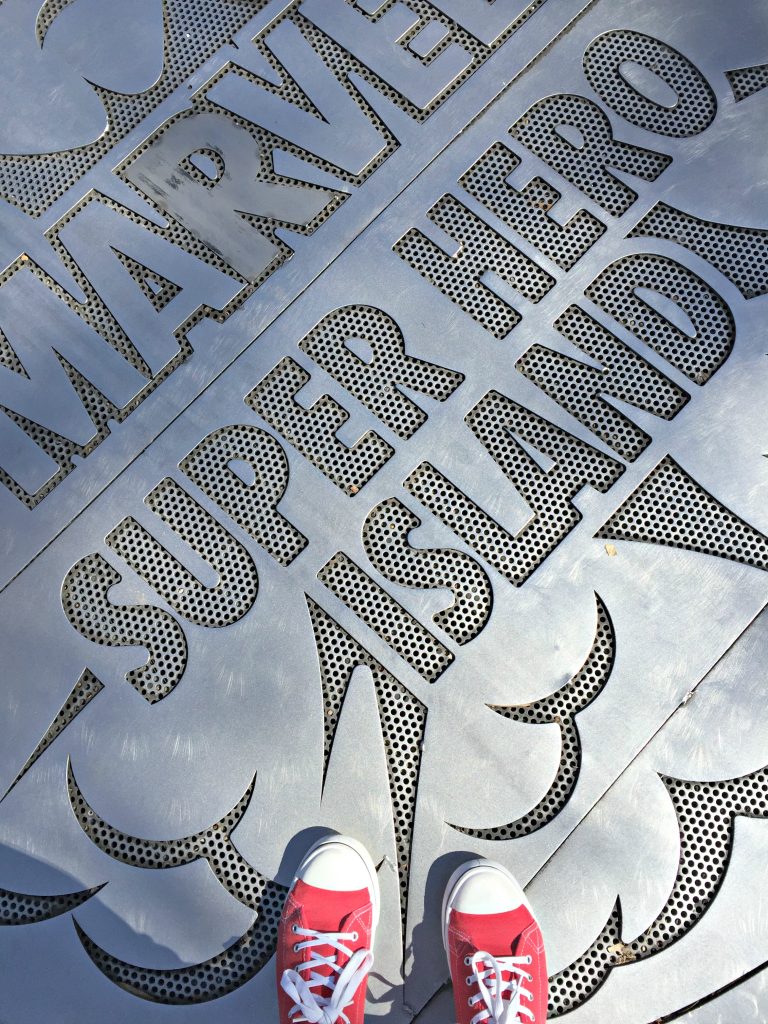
384	451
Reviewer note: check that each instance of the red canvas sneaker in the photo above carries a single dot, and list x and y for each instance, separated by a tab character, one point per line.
325	938
494	946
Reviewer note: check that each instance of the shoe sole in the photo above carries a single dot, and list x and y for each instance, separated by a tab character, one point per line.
466	868
362	852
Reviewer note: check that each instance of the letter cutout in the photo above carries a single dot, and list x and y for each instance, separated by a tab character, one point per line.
377	45
461	277
108	245
699	354
586	165
386	539
213	213
506	429
581	390
374	382
528	212
313	431
238	582
340	133
85	599
252	506
388	619
694	106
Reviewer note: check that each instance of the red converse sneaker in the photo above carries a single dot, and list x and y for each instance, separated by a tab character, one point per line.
325	938
494	947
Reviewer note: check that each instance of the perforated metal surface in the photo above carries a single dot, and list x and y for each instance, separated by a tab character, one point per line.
670	508
402	717
480	249
584	155
617	289
582	389
385	616
377	373
747	81
527	211
85	600
705	814
688	105
382	449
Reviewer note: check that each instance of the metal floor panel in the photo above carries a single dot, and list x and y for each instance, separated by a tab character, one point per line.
285	106
448	532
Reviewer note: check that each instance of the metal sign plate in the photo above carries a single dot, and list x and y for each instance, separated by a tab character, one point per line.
384	450
226	179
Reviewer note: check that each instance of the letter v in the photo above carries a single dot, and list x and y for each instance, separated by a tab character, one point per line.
343	134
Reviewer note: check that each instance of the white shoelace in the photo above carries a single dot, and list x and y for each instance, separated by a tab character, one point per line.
487	973
314	1007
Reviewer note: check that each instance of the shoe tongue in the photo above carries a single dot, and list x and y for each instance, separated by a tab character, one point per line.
497	934
326	910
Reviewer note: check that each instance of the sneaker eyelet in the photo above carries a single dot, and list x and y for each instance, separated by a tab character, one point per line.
295	929
354	937
296	948
469	1002
467	961
529	977
469	980
529	959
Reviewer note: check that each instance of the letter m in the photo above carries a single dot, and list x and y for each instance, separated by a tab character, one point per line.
46	349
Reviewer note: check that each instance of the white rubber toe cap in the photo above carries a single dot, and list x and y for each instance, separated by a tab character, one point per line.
334	866
481	887
341	864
